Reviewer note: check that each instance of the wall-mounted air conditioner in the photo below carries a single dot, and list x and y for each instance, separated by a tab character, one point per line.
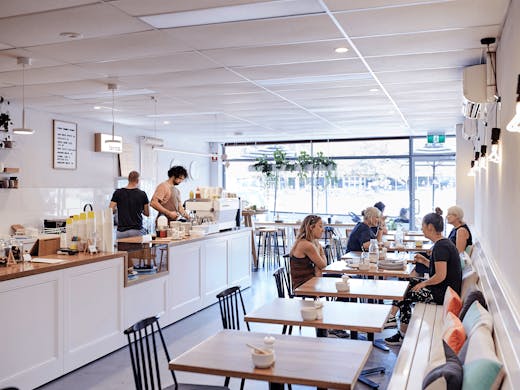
152	141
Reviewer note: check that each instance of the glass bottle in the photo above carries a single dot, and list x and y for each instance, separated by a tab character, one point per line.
373	251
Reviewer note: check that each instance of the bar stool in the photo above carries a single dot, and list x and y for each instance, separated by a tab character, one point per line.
268	243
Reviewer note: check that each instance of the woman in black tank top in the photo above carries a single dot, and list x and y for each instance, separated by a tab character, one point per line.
460	234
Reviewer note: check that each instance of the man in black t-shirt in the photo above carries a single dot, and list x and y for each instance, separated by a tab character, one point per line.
130	203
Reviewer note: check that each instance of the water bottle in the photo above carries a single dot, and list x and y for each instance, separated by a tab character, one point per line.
399	236
373	251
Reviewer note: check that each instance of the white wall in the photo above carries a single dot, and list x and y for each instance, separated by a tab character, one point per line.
497	211
47	192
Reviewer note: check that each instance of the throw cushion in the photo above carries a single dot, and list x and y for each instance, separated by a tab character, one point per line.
482	369
445	372
452	302
469	278
477	316
453	332
473	294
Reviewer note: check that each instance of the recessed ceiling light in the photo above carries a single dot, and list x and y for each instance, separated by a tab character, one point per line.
373	90
166	122
71	35
341	50
97	107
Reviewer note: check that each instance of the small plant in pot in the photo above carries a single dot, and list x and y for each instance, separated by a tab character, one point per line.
263	165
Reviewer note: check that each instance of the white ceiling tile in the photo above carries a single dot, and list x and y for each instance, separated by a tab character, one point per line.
342	5
428	42
118	47
46	75
258	32
429	75
91	21
423	17
20	7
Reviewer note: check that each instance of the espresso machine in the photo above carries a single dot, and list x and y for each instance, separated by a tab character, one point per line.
221	211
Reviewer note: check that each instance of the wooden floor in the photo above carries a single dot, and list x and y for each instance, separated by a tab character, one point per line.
114	372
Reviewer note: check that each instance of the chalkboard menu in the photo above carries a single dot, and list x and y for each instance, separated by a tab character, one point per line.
65	143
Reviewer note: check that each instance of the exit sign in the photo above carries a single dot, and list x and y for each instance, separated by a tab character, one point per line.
436	138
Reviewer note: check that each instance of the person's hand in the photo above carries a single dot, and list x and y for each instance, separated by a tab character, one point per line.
418	258
173	214
418	286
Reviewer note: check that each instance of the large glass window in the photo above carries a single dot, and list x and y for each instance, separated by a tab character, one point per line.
367	171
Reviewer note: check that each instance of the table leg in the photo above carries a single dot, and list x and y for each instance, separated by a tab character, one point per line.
275	386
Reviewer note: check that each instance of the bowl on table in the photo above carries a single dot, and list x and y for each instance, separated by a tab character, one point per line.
342	286
262	360
308	313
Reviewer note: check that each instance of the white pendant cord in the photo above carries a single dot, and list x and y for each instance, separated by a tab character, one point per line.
23	96
113	119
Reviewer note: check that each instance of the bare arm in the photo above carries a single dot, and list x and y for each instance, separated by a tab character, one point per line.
462	238
315	253
441	270
113	206
157	206
146	210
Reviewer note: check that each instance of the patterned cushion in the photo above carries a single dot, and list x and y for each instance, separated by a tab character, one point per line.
452	302
473	294
445	372
477	316
482	369
453	332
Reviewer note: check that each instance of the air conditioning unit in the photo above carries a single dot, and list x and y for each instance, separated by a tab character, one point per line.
474	90
152	141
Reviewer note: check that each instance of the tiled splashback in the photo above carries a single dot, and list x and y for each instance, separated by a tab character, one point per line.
30	206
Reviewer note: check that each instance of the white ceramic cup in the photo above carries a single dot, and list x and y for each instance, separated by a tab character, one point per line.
342	286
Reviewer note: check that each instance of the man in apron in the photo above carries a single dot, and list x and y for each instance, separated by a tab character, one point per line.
167	198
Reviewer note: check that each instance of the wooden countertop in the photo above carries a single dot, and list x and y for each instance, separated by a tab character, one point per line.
174	242
29	268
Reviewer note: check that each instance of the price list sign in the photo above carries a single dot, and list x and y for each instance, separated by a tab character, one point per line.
65	145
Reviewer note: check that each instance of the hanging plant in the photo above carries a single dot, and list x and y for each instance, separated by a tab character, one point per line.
263	165
304	161
5	118
280	159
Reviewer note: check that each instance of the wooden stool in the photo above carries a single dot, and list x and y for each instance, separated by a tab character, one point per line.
268	241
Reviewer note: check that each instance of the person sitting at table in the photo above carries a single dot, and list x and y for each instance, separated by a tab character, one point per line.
360	236
460	235
444	269
307	257
382	219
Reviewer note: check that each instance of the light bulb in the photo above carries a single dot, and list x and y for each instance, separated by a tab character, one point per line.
472	169
514	124
494	156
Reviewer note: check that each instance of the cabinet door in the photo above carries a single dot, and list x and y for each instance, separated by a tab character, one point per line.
146	299
239	260
215	269
93	310
184	280
31	346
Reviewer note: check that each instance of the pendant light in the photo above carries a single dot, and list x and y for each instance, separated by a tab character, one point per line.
113	87
23	130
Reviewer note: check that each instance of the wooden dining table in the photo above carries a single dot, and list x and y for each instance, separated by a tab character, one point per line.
320	362
359	288
357	317
344	267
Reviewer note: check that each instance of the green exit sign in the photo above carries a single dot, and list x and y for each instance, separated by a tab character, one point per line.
436	138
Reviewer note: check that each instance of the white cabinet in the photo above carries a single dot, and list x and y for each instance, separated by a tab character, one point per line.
239	260
185	291
215	269
93	311
146	300
31	329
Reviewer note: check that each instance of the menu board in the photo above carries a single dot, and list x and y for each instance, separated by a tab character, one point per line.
65	143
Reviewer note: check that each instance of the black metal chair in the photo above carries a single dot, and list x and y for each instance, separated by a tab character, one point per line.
287	265
142	344
232	309
232	312
283	288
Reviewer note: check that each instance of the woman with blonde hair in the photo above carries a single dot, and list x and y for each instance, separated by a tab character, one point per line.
307	256
359	238
460	235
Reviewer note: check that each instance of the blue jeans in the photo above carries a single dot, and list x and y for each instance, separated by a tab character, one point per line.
131	233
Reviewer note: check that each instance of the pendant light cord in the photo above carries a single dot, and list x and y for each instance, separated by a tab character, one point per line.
23	96
113	120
